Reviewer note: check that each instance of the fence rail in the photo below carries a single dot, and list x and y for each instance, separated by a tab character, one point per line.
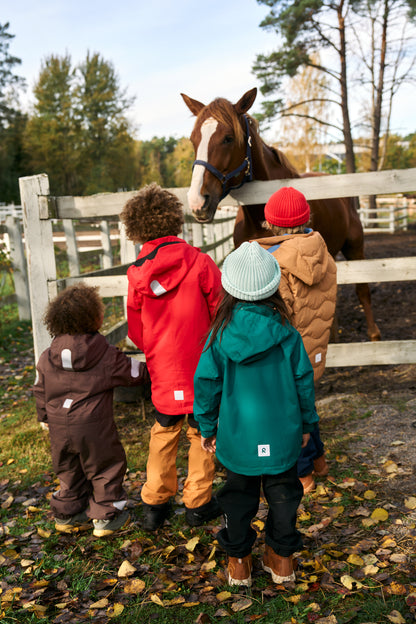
39	208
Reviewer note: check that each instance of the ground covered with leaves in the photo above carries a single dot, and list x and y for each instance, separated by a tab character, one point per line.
359	526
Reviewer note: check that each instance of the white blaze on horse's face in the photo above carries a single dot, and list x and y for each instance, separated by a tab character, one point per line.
195	199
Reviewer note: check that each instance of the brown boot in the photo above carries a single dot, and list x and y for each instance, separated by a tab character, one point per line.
308	483
320	467
281	568
239	570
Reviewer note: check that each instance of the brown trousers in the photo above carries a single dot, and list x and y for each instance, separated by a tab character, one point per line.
162	480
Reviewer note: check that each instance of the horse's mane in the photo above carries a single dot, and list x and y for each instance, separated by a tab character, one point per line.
285	162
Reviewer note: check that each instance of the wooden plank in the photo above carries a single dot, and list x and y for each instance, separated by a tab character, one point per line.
40	255
108	285
378	270
318	187
371	353
17	255
71	247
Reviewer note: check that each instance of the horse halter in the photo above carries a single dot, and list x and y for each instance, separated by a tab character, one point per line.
245	166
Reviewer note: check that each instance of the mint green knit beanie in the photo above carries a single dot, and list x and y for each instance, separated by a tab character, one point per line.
250	273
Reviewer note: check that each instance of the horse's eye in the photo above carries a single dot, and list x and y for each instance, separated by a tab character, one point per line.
228	139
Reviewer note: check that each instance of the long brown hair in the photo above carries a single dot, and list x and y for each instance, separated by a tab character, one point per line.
225	309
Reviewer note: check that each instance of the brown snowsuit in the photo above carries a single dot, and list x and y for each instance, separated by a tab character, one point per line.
74	395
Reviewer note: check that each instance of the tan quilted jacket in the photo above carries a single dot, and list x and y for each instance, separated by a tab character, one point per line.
308	287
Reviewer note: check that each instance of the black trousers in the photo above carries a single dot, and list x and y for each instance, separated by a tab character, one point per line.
239	500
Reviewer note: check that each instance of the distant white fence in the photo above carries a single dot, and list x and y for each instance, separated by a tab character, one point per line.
391	214
39	208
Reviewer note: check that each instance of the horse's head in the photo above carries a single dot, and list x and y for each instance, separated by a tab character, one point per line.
222	160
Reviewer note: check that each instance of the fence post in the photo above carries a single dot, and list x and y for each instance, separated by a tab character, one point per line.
39	253
71	247
107	255
17	255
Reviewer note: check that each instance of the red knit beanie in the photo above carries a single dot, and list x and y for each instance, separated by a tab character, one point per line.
287	208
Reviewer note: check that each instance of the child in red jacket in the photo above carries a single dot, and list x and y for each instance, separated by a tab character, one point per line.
74	397
172	296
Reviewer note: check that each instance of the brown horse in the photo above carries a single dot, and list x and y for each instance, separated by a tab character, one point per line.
229	152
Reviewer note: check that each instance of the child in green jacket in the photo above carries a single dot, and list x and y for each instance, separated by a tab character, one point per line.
254	402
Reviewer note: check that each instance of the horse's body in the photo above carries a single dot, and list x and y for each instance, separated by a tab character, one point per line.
229	151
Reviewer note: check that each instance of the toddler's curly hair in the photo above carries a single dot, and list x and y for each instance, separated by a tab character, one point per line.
76	310
152	213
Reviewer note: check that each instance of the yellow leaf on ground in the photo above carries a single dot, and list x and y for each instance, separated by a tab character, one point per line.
350	583
135	586
126	569
396	617
379	514
304	516
10	461
410	502
174	601
208	565
242	604
396	589
224	595
259	524
369	494
355	560
100	604
368	522
115	610
155	598
44	533
370	569
192	543
7	503
390	466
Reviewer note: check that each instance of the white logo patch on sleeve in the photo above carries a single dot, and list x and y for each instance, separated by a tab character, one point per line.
318	357
135	367
263	450
157	288
66	358
67	403
178	394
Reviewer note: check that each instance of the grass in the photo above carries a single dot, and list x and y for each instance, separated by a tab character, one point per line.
54	578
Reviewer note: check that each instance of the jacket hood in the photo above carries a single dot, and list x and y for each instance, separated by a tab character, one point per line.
161	265
253	330
307	259
78	353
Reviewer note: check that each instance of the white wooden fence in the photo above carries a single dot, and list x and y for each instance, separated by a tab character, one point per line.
391	214
39	208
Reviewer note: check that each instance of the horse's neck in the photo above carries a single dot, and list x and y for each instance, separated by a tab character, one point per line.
269	163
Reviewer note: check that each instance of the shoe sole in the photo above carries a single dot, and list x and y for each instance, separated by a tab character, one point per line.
244	582
107	532
276	578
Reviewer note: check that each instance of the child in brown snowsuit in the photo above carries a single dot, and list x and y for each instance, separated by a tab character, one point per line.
74	396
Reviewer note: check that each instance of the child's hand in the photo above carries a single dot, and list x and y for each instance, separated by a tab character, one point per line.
44	426
305	439
209	444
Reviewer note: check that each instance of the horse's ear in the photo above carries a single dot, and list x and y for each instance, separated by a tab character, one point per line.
245	102
194	106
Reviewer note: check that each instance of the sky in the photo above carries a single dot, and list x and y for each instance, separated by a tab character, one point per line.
159	49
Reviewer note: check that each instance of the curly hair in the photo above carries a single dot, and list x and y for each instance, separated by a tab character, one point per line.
76	310
152	213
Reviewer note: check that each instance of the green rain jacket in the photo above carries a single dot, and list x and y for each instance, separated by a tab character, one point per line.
254	390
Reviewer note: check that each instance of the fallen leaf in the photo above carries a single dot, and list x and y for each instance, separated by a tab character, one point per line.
410	502
396	617
135	586
155	598
379	514
44	533
192	543
100	604
115	610
369	494
224	595
242	604
126	569
208	565
7	503
355	560
396	589
350	583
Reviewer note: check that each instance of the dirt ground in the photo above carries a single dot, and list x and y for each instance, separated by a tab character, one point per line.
374	407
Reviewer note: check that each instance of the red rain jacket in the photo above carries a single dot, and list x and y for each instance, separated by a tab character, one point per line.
173	292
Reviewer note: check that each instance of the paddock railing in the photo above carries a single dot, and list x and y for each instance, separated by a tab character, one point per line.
39	208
